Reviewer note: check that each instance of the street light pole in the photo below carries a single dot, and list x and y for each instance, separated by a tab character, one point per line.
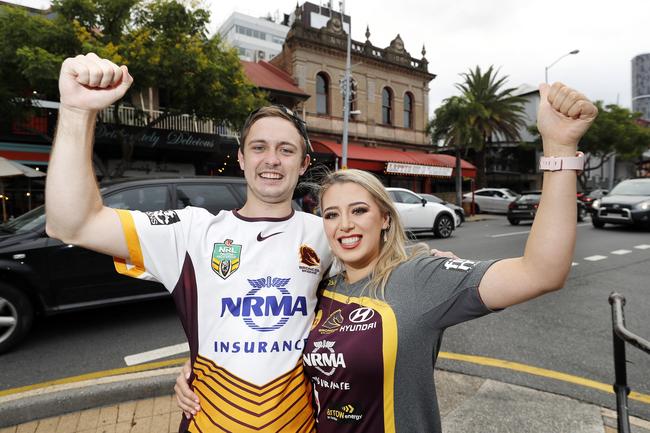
560	58
346	98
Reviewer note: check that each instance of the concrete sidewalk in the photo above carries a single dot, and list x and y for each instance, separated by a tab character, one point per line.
142	403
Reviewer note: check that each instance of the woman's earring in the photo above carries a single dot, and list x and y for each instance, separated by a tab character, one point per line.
385	235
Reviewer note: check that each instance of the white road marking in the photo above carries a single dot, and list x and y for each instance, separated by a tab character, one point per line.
642	247
501	235
621	252
595	258
152	355
575	264
510	234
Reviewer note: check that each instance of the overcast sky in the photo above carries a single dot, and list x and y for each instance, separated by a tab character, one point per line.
519	37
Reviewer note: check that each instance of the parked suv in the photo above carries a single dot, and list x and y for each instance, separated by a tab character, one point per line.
419	215
628	203
43	276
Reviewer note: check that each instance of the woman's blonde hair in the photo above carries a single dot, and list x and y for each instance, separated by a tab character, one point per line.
392	250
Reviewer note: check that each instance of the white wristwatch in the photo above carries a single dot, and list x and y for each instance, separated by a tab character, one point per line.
557	163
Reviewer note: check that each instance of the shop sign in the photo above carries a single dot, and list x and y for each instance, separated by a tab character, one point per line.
418	170
157	138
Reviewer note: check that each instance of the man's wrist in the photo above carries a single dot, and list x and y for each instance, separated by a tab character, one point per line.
559	149
77	114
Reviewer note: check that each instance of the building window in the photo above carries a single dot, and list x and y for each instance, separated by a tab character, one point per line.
277	40
322	93
387	106
250	32
408	110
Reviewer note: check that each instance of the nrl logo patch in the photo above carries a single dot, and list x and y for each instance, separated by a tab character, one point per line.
162	217
225	258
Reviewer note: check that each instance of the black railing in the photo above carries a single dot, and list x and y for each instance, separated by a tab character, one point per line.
622	335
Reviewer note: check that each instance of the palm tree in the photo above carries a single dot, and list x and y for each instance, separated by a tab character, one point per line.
495	112
451	124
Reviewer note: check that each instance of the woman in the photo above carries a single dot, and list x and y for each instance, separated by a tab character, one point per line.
378	322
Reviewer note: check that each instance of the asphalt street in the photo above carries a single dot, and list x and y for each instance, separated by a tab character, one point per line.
568	331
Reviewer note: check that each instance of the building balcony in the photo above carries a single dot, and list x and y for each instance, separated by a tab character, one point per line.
130	116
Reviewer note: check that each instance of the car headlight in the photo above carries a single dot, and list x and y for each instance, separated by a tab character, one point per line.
644	205
596	204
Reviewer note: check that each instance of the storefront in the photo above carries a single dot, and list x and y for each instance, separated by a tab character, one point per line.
420	172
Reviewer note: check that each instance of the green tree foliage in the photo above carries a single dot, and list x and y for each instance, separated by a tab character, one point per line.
495	113
31	53
452	125
163	42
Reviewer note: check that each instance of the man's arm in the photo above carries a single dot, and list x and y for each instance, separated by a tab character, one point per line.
75	213
563	118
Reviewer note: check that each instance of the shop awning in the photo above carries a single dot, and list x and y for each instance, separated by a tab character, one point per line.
396	161
33	154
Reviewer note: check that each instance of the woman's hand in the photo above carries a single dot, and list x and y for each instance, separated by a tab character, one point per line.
563	118
185	398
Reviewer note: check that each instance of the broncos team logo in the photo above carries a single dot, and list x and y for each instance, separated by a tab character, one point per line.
225	258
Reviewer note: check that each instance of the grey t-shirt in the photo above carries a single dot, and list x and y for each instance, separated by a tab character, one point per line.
370	361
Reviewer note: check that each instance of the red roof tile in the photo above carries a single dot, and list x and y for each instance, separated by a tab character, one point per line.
268	77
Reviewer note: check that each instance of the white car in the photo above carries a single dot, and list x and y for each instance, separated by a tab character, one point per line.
420	215
491	199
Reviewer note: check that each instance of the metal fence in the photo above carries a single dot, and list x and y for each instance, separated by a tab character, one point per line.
131	116
621	336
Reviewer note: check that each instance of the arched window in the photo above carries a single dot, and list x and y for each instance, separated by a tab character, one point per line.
322	93
408	110
387	106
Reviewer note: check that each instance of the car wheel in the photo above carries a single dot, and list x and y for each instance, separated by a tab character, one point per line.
582	213
16	315
444	226
513	221
597	223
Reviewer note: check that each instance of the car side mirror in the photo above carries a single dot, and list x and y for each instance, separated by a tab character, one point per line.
424	202
605	193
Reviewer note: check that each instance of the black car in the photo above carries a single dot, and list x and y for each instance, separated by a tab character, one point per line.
628	203
43	276
525	208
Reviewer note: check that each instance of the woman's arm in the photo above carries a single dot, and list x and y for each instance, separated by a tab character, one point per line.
563	118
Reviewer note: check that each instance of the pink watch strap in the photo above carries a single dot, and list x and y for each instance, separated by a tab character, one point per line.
557	163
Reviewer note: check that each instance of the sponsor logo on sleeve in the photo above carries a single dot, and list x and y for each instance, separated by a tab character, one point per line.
162	217
309	260
460	265
225	258
344	413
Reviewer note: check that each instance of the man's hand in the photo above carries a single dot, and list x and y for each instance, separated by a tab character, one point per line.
563	118
185	398
438	253
90	83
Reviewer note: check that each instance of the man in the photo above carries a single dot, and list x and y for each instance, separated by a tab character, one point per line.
244	281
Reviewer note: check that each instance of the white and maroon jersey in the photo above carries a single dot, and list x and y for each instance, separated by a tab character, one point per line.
245	290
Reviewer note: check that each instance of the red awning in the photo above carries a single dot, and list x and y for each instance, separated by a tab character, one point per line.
376	159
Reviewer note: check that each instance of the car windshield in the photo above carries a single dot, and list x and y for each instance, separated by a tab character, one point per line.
632	187
27	222
529	197
511	192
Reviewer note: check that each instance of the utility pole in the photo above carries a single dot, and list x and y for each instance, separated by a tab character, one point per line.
346	90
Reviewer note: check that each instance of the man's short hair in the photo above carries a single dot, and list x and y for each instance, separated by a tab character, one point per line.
276	111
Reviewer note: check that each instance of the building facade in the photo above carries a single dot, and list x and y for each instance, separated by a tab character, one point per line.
256	39
641	85
389	100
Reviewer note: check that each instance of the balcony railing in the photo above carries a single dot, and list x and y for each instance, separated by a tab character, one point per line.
130	116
